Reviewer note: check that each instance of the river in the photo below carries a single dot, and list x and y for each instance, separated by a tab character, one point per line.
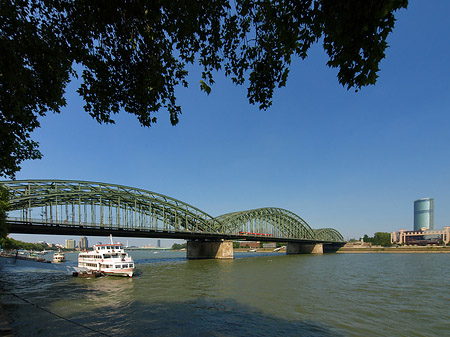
253	295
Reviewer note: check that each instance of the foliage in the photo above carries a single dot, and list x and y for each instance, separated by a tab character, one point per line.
133	54
236	244
177	246
4	206
382	239
10	243
366	238
379	239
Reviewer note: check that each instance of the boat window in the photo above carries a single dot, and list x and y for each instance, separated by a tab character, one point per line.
131	265
124	266
108	247
106	256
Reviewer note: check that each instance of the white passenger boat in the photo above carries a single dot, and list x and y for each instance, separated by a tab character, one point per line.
109	259
59	257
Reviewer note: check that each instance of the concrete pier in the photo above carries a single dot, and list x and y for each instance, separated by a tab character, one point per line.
332	247
209	249
300	248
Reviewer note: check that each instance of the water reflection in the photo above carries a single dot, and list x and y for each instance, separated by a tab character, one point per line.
324	295
212	317
89	295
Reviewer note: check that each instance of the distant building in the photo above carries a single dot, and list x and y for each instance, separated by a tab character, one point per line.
249	244
270	245
421	238
423	233
83	245
70	244
424	214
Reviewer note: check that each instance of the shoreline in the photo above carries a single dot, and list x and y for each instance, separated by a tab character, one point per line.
394	250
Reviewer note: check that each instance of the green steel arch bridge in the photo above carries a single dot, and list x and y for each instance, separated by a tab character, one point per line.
70	207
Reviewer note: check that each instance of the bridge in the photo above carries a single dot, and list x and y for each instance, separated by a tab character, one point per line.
69	207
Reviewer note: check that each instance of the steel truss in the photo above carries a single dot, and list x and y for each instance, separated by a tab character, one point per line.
116	207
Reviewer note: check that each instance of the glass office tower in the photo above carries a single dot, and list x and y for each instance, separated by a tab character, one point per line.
424	214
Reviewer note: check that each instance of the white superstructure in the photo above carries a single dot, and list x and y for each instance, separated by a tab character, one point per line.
109	258
59	257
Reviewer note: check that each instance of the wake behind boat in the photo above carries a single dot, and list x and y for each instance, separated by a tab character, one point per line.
110	259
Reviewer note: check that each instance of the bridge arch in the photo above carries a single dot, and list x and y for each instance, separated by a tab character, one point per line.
328	234
270	221
109	206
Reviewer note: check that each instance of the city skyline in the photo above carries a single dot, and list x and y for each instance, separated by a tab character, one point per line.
351	161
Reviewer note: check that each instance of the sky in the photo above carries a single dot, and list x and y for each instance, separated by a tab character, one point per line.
351	161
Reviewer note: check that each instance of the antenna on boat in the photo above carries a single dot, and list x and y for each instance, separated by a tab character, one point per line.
110	236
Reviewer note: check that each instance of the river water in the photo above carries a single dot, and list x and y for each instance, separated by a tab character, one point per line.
252	295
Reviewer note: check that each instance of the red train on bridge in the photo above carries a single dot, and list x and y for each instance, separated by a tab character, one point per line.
256	234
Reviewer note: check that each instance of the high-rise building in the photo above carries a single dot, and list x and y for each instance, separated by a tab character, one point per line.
70	244
83	245
424	214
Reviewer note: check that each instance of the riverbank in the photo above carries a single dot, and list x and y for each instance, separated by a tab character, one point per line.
401	249
362	250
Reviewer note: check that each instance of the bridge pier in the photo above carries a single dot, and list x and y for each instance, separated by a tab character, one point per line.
332	247
210	249
301	248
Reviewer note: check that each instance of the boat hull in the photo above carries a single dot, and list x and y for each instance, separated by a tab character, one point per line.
121	272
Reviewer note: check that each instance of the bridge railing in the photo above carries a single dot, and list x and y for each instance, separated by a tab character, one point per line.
99	205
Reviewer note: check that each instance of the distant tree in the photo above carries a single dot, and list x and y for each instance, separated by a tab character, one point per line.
235	244
382	239
10	243
177	246
4	207
379	239
133	54
366	238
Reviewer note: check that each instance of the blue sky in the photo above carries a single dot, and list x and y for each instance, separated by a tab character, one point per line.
351	161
